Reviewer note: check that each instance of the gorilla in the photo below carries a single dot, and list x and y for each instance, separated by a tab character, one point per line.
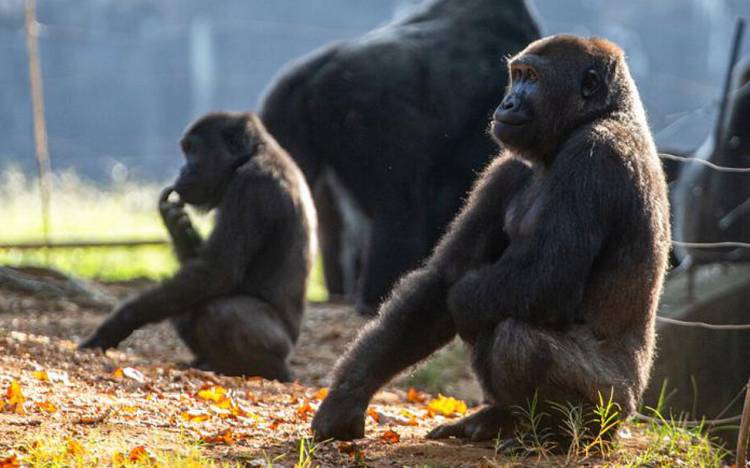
238	297
552	271
389	132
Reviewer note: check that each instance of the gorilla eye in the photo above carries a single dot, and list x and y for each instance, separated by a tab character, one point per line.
531	75
590	83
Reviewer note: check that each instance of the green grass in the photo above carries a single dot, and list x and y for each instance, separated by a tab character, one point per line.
82	210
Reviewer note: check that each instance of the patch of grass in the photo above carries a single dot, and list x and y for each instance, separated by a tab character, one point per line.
596	436
84	210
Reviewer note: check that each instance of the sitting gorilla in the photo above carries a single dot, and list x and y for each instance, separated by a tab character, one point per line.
238	297
552	271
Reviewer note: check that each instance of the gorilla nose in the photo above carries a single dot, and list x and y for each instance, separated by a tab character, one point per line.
509	103
511	111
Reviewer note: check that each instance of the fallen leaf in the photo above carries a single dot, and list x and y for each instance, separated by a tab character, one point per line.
446	406
373	414
224	437
14	398
415	396
390	436
74	448
118	459
46	406
275	424
195	416
10	462
128	409
117	373
215	393
321	394
140	454
41	375
304	410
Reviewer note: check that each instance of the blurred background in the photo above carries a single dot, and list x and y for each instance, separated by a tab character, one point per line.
122	79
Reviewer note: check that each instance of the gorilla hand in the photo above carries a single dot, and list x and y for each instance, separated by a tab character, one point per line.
112	331
339	417
184	236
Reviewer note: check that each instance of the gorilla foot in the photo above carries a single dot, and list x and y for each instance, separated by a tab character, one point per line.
488	423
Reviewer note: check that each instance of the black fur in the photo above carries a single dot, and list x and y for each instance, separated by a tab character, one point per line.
553	269
238	298
398	117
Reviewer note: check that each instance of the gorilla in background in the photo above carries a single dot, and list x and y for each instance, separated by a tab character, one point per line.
238	297
392	126
552	271
714	206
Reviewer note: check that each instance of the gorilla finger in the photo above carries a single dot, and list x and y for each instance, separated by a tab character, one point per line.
164	196
446	430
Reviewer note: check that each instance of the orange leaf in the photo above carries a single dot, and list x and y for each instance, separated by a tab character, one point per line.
321	394
10	462
373	414
118	459
415	396
117	373
304	410
215	393
41	375
195	416
390	436
14	398
275	424
46	406
225	437
74	448
140	454
447	406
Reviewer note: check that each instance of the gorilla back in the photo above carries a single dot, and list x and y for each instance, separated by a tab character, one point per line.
398	116
238	297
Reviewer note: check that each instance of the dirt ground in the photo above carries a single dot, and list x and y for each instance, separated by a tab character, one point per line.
91	398
139	402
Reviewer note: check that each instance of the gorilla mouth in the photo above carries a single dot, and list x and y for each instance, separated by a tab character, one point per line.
510	122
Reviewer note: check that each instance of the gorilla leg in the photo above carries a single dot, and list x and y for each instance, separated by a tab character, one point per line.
343	230
237	335
329	238
518	360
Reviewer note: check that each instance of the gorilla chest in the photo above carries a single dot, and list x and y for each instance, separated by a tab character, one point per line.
524	212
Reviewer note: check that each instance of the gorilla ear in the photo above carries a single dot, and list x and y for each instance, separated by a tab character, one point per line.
590	83
239	138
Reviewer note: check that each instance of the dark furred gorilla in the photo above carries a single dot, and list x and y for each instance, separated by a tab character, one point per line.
553	269
238	297
397	119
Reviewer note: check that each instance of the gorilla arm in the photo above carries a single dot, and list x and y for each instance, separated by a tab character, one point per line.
540	277
414	321
217	271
